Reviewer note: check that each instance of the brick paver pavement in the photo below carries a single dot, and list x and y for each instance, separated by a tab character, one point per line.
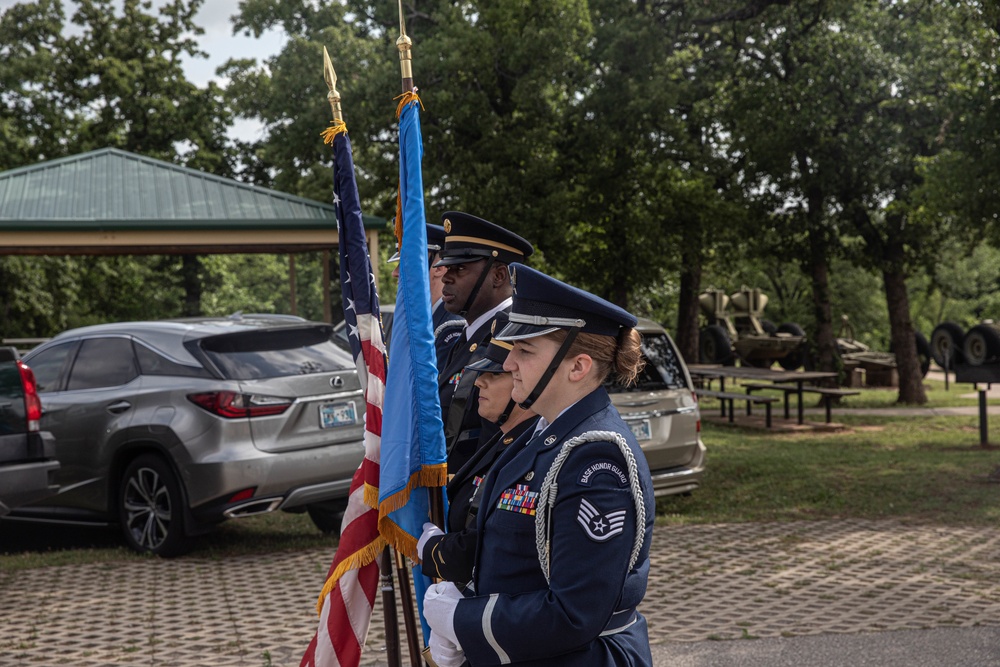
718	581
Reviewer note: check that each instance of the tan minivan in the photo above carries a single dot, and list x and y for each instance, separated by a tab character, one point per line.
663	413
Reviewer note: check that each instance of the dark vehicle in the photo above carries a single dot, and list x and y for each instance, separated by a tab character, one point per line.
27	464
736	329
951	346
879	367
662	411
169	427
340	329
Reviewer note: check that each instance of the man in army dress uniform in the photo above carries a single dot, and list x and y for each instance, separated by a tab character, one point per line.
476	286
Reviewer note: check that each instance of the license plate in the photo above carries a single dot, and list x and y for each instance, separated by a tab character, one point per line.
641	430
332	415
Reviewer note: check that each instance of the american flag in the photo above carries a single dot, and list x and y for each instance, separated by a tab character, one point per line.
349	594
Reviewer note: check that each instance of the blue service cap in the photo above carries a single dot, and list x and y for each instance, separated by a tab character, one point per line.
492	362
435	241
469	239
543	304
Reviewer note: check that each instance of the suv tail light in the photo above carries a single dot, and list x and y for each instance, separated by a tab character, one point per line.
32	403
231	405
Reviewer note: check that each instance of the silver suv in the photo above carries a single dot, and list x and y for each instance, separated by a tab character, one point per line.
169	427
662	411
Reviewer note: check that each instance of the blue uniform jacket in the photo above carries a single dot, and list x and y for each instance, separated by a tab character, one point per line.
515	616
445	336
464	429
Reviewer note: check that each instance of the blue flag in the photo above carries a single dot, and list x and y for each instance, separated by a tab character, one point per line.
414	462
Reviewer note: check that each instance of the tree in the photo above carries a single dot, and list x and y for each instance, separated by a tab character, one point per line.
960	183
921	55
110	77
119	83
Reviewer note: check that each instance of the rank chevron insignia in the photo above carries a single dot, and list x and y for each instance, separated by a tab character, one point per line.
600	527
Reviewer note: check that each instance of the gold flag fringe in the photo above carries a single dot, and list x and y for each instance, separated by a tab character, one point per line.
406	98
371	496
436	475
427	476
336	127
355	561
401	540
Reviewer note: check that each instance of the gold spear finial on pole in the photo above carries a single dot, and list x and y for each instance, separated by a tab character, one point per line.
331	82
404	44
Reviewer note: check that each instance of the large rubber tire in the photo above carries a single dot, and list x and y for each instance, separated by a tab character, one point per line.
923	353
947	343
328	515
769	327
151	508
982	344
796	358
714	346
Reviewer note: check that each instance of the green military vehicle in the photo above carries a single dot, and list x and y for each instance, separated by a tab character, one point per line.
736	329
879	367
951	346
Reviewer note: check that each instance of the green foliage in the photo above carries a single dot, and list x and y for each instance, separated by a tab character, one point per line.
635	144
111	76
961	182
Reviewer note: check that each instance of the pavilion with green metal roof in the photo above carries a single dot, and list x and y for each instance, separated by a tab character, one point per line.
110	201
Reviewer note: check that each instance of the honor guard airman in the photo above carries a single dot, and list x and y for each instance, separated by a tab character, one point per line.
451	556
476	287
447	326
566	516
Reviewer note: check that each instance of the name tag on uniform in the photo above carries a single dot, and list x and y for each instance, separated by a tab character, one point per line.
518	499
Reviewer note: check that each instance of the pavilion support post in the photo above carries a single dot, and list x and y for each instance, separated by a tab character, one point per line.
293	305
327	308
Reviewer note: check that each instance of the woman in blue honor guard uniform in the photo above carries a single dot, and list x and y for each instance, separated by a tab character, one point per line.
451	556
567	511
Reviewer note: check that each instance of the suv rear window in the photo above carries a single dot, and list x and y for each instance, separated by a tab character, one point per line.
254	355
663	369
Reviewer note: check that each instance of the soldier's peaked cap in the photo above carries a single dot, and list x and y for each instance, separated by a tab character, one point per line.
543	304
469	239
435	241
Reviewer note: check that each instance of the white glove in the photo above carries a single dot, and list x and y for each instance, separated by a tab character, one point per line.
445	653
430	530
440	602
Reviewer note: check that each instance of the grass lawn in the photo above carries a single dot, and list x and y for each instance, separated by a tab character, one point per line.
956	395
925	469
912	469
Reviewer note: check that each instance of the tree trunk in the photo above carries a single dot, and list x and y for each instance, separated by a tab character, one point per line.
911	386
191	282
687	307
819	269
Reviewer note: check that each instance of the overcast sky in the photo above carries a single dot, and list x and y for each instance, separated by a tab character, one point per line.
221	44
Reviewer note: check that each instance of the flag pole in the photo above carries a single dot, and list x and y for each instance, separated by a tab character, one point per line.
393	657
404	45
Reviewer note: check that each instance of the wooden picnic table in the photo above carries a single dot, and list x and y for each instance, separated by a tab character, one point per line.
798	378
